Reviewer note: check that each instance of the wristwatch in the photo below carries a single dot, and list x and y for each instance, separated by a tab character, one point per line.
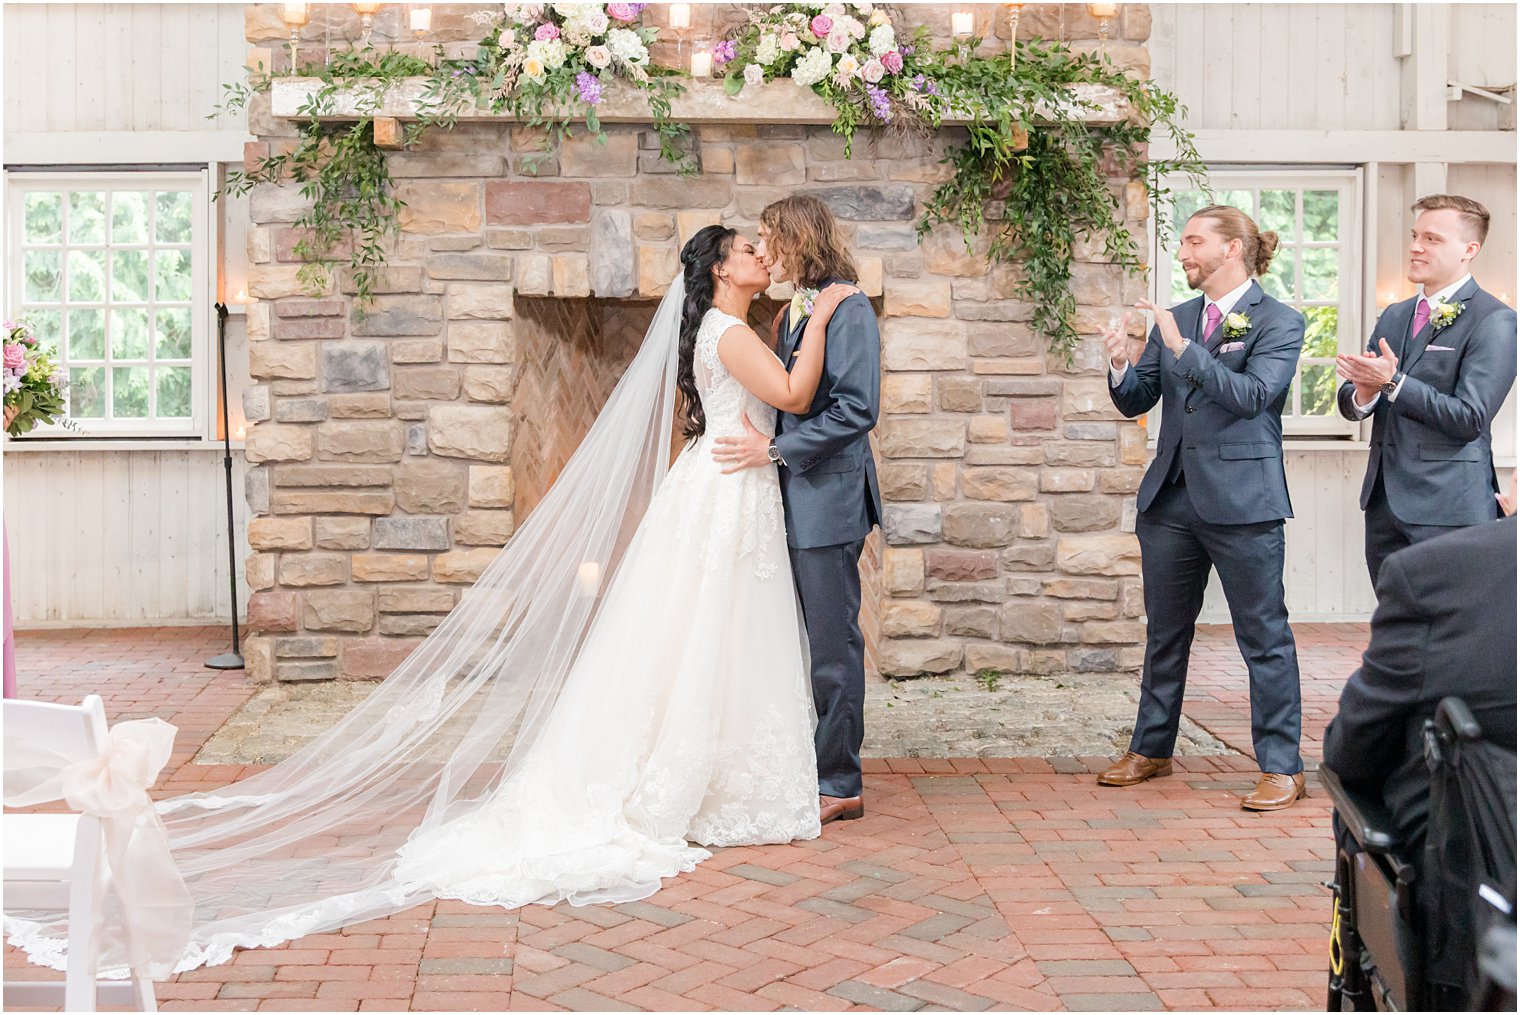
1182	348
1392	385
774	455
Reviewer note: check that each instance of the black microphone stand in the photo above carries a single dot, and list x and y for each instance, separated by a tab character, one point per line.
227	660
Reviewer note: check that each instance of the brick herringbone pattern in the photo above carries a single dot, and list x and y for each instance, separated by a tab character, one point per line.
971	884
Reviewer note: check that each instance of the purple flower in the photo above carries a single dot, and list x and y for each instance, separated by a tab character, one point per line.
881	103
822	25
892	60
546	33
923	84
590	87
725	51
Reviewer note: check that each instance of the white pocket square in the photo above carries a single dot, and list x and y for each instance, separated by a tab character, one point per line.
1231	347
1439	348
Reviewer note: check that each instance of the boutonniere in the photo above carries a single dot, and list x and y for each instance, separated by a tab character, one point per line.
802	305
1442	314
1236	325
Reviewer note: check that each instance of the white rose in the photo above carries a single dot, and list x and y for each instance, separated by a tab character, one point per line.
882	39
864	8
527	13
596	22
509	10
872	70
854	28
839	40
754	74
508	38
834	11
533	67
847	68
599	57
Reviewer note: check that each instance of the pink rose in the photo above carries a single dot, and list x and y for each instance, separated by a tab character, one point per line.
622	12
15	357
822	25
892	61
546	33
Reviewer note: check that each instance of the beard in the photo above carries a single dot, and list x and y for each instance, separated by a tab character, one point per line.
1203	269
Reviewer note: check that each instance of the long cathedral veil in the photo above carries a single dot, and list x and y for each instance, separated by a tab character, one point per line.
310	844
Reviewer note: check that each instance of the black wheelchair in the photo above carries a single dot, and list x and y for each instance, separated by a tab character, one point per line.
1447	944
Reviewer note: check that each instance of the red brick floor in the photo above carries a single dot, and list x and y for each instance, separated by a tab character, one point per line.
970	885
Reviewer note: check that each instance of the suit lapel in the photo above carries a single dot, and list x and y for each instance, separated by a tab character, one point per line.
1420	342
1398	338
1251	297
789	344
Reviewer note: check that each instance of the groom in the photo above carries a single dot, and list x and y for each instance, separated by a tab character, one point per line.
828	481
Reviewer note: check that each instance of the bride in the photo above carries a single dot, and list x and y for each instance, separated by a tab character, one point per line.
627	677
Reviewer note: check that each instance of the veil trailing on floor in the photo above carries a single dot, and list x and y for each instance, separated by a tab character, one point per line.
311	844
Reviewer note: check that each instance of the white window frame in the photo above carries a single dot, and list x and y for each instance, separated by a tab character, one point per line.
1350	184
19	183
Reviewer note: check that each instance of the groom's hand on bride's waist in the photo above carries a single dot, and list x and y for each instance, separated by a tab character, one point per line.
736	454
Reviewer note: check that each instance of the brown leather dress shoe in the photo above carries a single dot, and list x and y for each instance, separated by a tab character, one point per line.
1135	768
1275	791
834	808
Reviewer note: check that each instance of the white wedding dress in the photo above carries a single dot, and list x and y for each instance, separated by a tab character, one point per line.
687	714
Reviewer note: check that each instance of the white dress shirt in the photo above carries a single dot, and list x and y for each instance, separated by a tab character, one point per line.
1225	303
1442	296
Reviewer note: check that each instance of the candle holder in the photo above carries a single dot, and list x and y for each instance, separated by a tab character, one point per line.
1104	13
680	25
366	14
701	65
295	16
962	27
1014	11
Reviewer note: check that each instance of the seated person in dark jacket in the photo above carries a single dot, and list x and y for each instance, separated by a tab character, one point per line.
1444	627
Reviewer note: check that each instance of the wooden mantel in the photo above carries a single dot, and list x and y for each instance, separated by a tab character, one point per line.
703	102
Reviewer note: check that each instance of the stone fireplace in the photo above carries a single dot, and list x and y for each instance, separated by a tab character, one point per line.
393	450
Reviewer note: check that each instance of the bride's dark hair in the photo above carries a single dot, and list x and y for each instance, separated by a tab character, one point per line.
703	252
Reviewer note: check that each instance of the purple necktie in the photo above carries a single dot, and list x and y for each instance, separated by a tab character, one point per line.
1213	316
1421	317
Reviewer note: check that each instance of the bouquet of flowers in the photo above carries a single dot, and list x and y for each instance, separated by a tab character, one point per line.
34	385
552	56
848	52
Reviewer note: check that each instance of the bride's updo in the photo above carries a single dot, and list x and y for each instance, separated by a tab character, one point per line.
703	252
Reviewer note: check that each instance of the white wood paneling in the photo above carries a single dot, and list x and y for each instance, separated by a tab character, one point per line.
121	537
120	67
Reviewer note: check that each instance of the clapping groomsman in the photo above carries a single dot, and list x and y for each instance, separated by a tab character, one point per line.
1216	496
1435	372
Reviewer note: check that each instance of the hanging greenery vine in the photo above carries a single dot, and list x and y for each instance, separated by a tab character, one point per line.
1033	174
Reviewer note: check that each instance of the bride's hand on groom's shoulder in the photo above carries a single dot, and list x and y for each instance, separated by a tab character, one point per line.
828	301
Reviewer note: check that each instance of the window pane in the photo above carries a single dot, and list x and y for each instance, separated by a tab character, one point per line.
1185	203
1322	274
172	328
1236	199
46	326
129	217
44	218
129	392
87	334
1319	390
129	276
173	392
44	276
87	217
129	334
87	392
172	279
1277	210
1322	332
87	276
1180	288
172	222
1322	214
1278	281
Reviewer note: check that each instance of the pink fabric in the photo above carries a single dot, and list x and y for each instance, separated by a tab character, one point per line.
1214	317
1421	317
10	634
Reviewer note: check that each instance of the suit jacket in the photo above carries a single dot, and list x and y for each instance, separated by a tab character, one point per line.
828	485
1222	411
1432	443
1444	626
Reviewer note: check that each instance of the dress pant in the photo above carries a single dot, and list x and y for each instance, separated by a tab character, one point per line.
1386	533
828	585
1177	549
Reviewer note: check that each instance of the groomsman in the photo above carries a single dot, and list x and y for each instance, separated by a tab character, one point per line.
1435	372
1216	496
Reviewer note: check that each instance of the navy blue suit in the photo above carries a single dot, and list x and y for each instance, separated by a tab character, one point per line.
1431	467
831	500
1216	496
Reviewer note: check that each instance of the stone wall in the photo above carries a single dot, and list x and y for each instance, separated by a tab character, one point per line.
393	451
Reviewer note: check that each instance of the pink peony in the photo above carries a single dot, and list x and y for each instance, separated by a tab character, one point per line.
893	62
623	12
546	33
822	25
15	357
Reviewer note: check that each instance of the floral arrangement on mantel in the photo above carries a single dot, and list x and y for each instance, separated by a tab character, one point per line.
1036	185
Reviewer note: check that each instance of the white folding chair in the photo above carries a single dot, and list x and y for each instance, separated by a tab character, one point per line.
55	861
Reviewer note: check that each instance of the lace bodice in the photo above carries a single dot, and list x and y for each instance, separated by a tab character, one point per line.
724	399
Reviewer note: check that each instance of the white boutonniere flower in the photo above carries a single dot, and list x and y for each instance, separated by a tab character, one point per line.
1442	314
802	305
1236	325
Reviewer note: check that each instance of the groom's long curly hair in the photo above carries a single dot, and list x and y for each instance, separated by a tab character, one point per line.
703	252
805	234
